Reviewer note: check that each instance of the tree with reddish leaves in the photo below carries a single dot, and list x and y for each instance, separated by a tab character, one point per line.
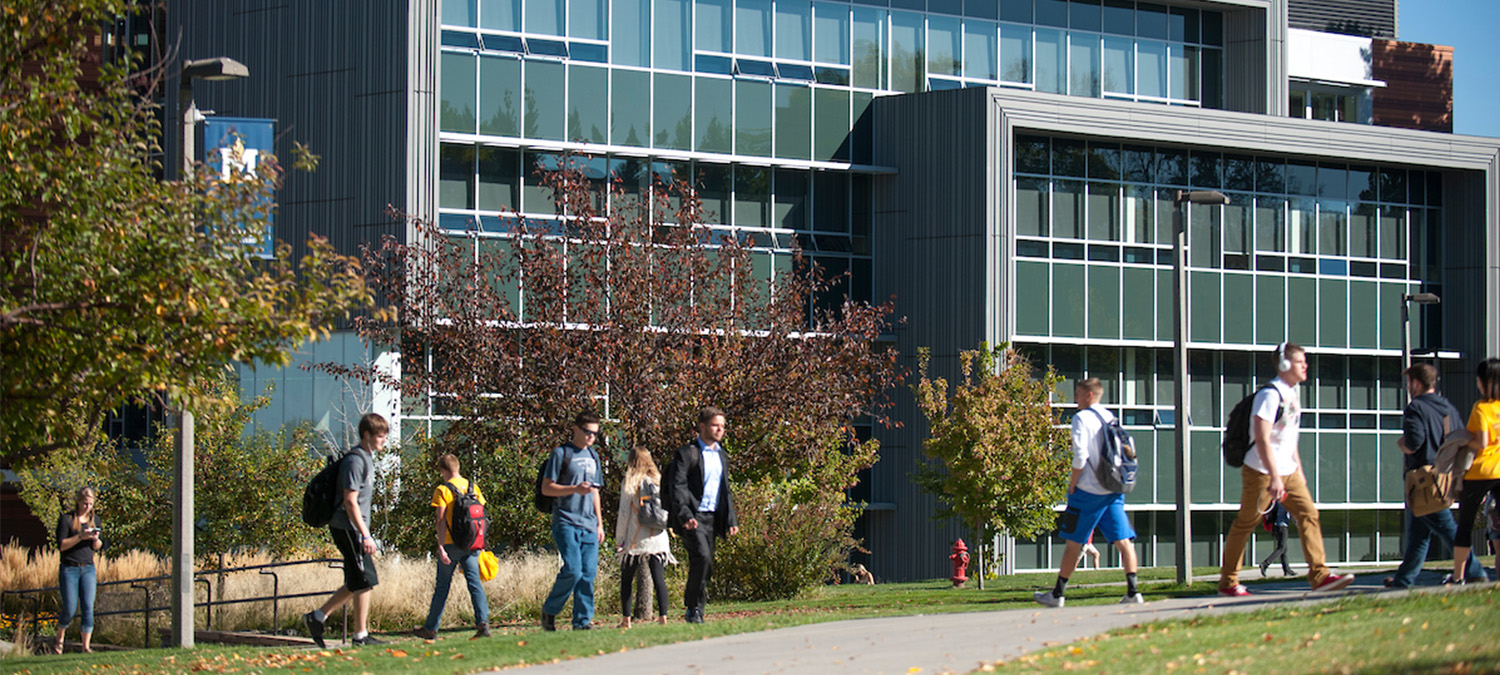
628	305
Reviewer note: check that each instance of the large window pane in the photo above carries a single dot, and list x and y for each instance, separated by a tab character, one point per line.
1333	313
1204	222
1083	67
1104	211
499	179
458	13
713	113
630	116
1138	214
908	53
943	40
1239	223
456	176
1184	76
752	196
1067	300
1104	304
830	202
1364	308
793	121
793	30
1032	293
1032	207
752	116
536	197
544	16
1067	209
1270	309
1393	232
1139	294
498	14
1302	224
713	25
499	96
673	112
1333	222
1270	224
458	94
831	124
715	188
545	115
1051	61
588	19
752	27
869	69
791	199
673	45
1151	68
979	49
1205	297
1119	66
831	32
586	118
630	41
1015	53
1239	300
1362	233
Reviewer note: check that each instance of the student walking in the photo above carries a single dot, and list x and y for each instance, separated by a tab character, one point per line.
1090	505
702	506
1483	476
571	477
1273	473
1422	428
452	556
638	543
77	541
350	530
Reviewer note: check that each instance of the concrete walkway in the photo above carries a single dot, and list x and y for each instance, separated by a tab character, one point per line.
956	643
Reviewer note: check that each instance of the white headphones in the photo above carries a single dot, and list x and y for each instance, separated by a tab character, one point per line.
1283	363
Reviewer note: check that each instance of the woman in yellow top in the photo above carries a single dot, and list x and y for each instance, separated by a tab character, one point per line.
1484	475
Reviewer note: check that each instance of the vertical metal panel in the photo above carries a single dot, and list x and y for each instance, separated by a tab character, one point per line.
1376	18
1471	276
1254	55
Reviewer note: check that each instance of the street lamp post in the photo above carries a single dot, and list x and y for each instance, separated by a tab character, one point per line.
1180	357
1406	300
219	68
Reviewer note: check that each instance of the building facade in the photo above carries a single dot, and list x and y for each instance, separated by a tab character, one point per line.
999	167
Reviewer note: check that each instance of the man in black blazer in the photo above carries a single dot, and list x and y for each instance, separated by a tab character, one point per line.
702	507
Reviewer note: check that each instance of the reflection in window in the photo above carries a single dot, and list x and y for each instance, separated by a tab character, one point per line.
793	121
586	118
908	53
673	112
456	176
752	118
713	114
713	25
869	69
752	27
831	33
458	94
1083	75
1151	69
943	40
673	47
1051	61
499	96
1119	66
793	30
544	16
1015	53
588	19
630	114
979	49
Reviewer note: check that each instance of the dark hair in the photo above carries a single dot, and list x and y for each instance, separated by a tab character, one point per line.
1489	378
586	417
1423	374
372	424
707	414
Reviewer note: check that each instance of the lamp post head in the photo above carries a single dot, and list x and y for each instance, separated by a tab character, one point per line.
1199	197
1423	298
217	68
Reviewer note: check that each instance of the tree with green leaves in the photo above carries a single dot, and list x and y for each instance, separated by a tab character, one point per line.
999	457
117	287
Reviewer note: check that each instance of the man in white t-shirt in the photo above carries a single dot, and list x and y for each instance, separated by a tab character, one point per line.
1089	504
1273	472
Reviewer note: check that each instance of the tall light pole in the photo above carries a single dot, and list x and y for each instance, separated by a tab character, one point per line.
1406	300
1180	357
218	68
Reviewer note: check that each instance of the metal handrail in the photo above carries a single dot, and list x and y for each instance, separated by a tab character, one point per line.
34	595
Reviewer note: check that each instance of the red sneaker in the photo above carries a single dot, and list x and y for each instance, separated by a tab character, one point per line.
1334	582
1238	591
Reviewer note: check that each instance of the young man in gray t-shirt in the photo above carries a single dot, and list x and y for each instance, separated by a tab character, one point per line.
350	529
571	478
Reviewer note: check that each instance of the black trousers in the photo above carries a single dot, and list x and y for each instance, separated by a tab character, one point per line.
628	569
700	549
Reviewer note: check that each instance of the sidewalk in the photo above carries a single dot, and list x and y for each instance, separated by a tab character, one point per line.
956	643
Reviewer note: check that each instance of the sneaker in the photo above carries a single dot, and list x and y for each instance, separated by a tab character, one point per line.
1238	591
314	629
587	626
1265	566
368	640
424	633
694	616
549	622
1334	582
481	630
1046	598
1132	599
1448	581
1288	572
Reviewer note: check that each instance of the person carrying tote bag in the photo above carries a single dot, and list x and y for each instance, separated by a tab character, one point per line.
640	532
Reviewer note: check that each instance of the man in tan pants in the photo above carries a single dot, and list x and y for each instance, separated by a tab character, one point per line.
1273	472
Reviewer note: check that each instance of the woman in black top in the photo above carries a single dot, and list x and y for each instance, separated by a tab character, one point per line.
77	539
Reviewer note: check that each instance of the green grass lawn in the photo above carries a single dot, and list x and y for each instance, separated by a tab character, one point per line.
525	643
1456	632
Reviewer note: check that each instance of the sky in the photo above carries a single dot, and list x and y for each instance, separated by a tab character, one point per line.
1472	28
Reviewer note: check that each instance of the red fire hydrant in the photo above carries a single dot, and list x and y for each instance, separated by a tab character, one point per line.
960	560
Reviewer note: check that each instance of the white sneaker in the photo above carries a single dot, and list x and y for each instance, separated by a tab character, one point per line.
1046	598
1133	599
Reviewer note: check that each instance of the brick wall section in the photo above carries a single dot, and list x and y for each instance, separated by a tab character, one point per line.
1419	85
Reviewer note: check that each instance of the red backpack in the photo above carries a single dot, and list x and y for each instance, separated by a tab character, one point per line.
469	520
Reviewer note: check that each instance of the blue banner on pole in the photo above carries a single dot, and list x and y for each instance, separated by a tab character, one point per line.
236	145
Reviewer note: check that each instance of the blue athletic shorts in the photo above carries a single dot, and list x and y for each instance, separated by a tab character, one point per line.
1087	510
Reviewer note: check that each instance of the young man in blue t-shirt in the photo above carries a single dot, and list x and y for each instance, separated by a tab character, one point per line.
572	477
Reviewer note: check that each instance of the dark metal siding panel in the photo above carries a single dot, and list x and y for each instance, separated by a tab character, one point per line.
1376	18
931	222
1247	69
333	74
1471	267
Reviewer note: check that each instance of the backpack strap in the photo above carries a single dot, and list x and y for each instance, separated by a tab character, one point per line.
454	490
1103	427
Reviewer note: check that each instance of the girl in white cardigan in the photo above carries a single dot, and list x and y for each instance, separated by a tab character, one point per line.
636	543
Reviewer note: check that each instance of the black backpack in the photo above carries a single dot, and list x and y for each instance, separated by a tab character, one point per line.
1237	428
650	514
542	502
321	498
1117	467
469	523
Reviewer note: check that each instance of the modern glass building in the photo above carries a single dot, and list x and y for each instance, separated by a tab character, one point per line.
1002	168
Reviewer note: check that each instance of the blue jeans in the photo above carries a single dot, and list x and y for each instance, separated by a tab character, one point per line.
78	585
579	549
470	562
1419	532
